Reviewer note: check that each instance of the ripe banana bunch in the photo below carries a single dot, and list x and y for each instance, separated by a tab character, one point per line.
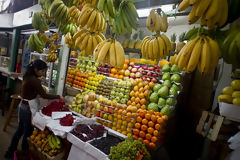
110	51
39	22
69	40
156	47
35	43
44	37
71	27
51	57
92	19
231	46
211	12
108	9
202	52
157	22
91	3
173	58
73	13
138	44
85	40
127	18
58	11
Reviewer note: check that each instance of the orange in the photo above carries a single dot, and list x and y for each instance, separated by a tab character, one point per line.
125	66
111	75
143	106
129	103
151	84
152	145
145	121
129	114
146	93
142	134
132	93
141	95
144	128
154	139
158	127
137	125
165	117
134	137
115	76
155	133
134	115
120	111
124	112
138	105
140	139
133	99
140	84
121	72
126	61
123	118
114	70
119	117
153	118
150	124
160	120
120	77
133	120
137	100
146	87
137	94
148	116
151	112
128	119
135	131
135	88
143	101
150	130
146	142
133	103
141	90
134	83
139	119
142	114
148	136
157	113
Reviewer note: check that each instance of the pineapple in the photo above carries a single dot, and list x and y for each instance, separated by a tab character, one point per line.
181	44
173	41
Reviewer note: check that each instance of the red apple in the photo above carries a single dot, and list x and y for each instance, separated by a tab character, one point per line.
150	68
149	74
101	114
145	67
110	110
144	78
156	66
144	72
157	70
101	108
154	80
155	75
98	113
148	79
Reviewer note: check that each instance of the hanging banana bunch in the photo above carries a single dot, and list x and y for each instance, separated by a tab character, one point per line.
156	47
211	12
73	13
202	52
35	43
157	22
110	51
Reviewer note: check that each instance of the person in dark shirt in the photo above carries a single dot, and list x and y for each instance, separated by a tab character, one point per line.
31	88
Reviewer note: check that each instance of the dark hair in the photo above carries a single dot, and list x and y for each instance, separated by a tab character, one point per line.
37	64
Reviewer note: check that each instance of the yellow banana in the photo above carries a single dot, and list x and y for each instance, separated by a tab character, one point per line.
85	17
120	54
161	47
97	49
183	5
202	7
113	55
143	45
150	49
192	18
103	52
164	22
224	13
215	53
89	45
195	56
80	39
205	58
95	43
168	44
79	33
102	36
212	9
91	18
155	48
84	42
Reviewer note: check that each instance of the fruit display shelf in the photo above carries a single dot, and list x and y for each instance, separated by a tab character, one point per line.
104	114
104	69
105	87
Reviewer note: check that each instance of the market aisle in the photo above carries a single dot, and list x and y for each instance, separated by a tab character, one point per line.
6	136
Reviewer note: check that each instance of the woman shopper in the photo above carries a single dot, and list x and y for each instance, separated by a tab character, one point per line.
29	105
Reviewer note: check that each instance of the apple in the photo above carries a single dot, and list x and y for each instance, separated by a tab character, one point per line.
138	74
134	70
132	74
156	66
127	73
101	114
157	70
150	68
148	79
98	106
154	80
155	75
110	110
144	72
149	74
101	108
105	116
145	67
98	113
144	78
105	109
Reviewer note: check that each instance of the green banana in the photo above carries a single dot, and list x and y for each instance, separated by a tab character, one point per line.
53	7
126	22
132	18
106	13
111	8
50	141
59	10
191	34
100	5
232	53
31	45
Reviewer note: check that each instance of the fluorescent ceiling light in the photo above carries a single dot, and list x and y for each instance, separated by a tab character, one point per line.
145	11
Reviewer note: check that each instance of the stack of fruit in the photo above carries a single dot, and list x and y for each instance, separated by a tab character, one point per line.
231	94
87	132
104	111
150	73
86	64
104	69
47	142
120	91
164	95
77	103
105	87
124	119
133	71
89	105
93	82
70	76
150	128
140	94
80	80
117	74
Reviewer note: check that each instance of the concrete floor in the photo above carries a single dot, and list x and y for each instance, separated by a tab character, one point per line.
5	137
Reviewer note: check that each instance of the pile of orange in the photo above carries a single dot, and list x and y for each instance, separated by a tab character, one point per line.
119	74
70	75
80	80
140	93
150	127
124	119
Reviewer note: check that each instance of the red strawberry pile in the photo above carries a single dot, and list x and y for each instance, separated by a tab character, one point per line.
55	106
67	120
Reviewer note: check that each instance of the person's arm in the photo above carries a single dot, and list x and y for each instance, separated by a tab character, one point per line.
37	85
